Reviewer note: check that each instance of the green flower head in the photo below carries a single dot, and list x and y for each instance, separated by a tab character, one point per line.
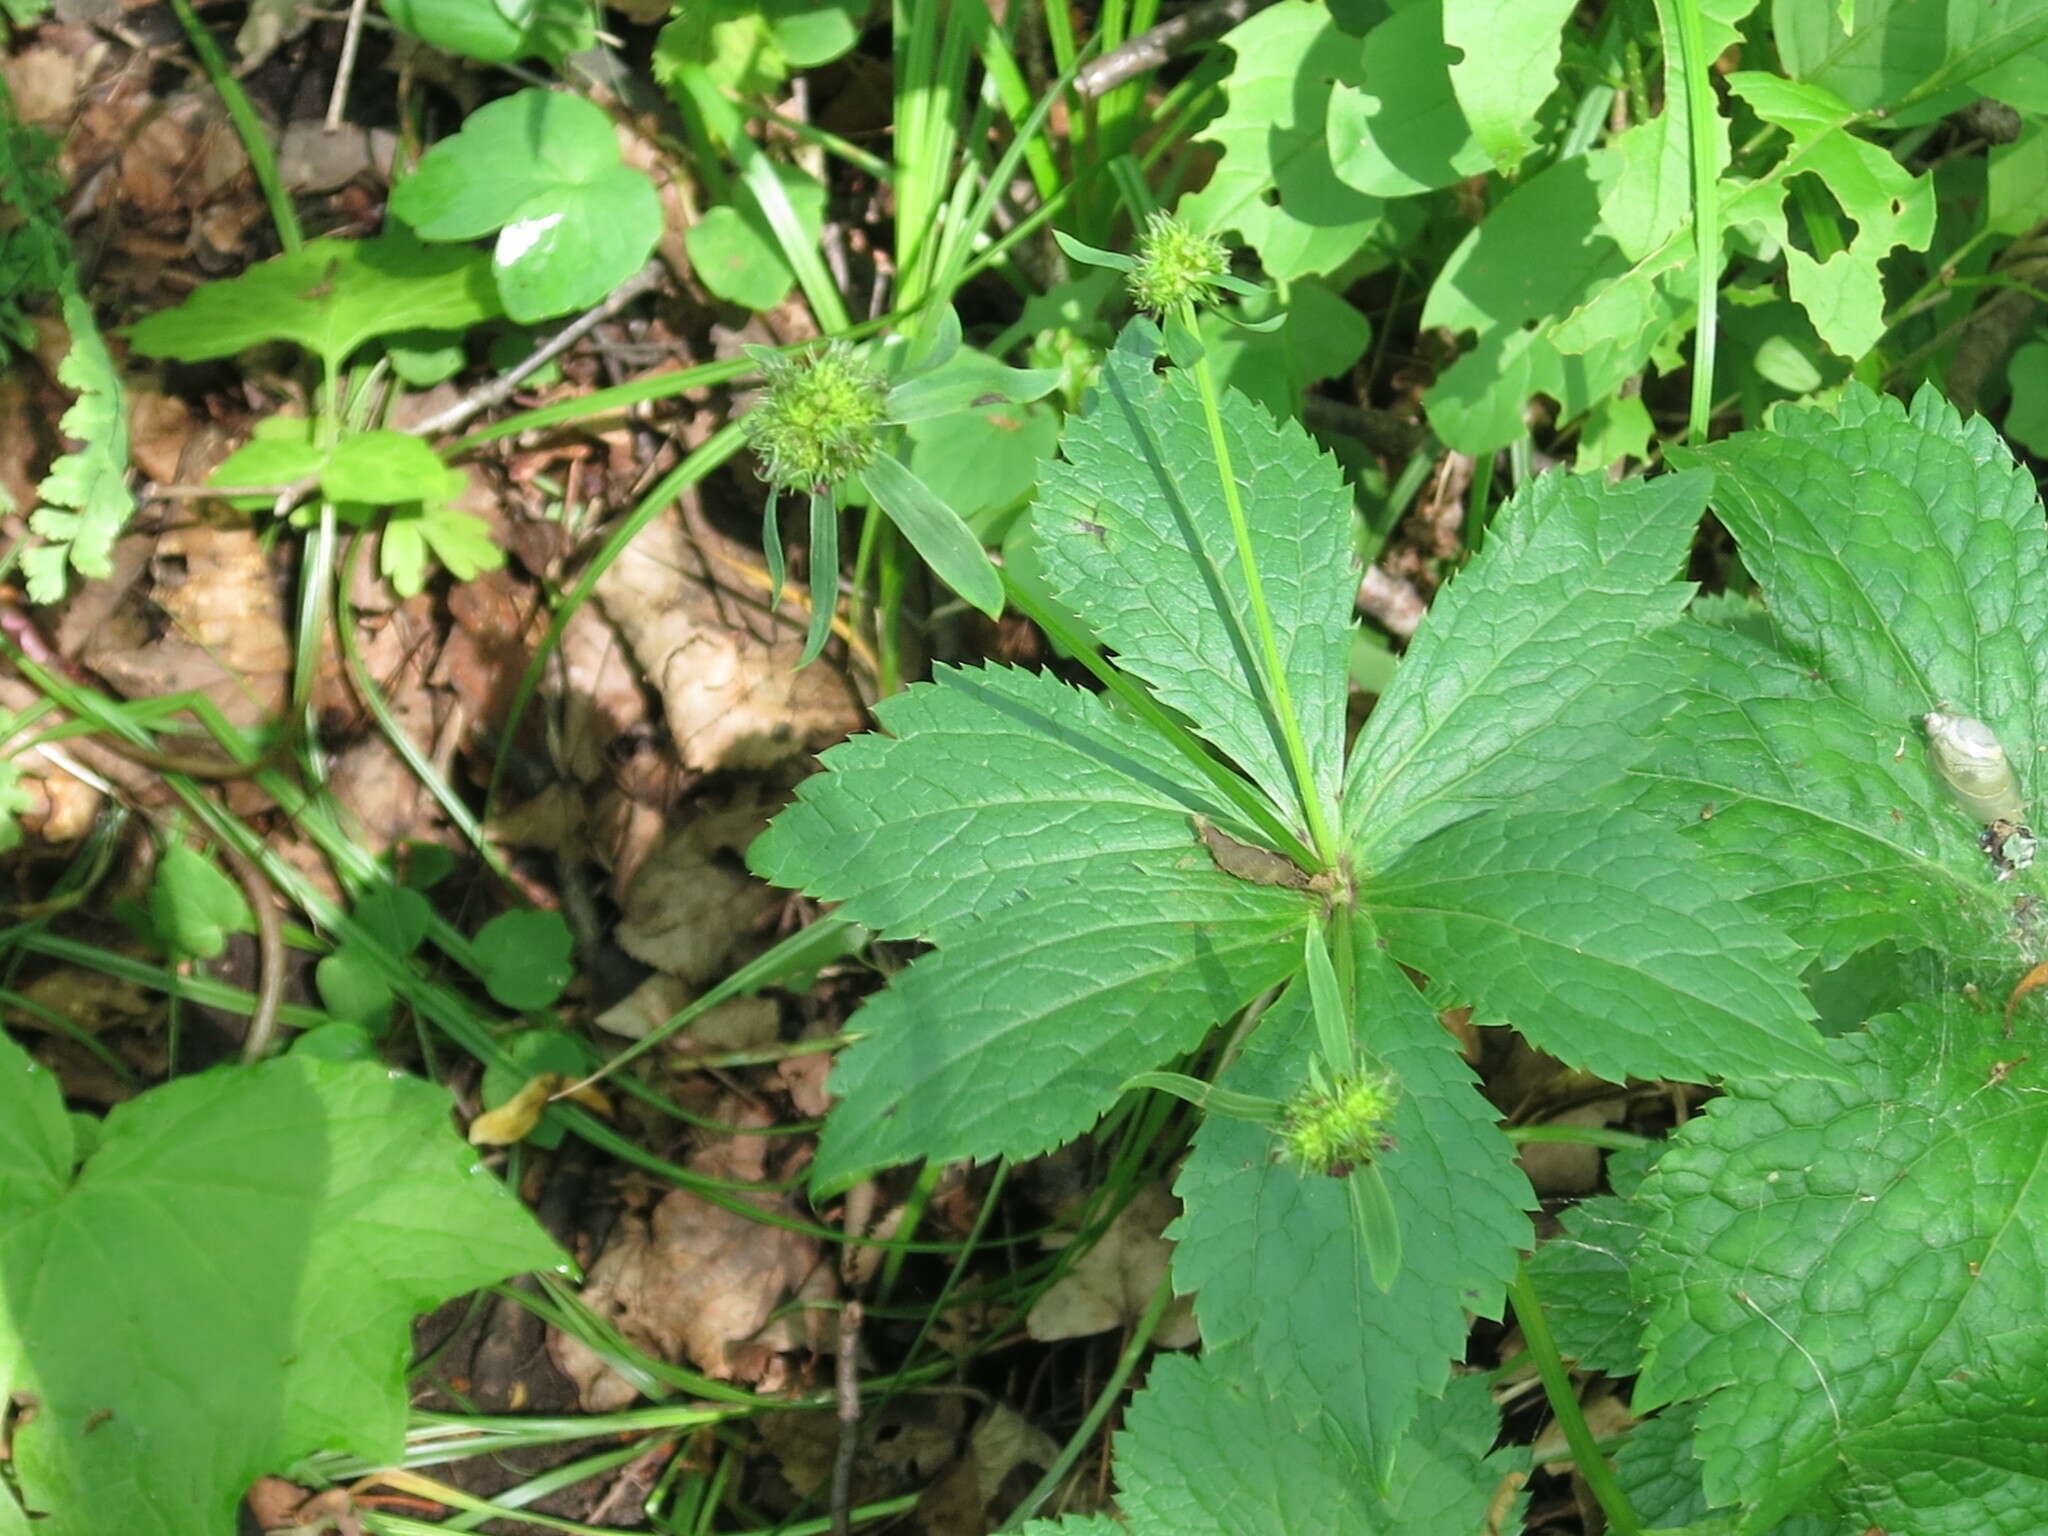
1335	1127
819	420
1174	265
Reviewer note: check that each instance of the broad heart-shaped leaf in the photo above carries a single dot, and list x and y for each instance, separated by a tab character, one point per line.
1134	532
193	906
1274	184
1281	1280
496	31
1085	934
1830	820
1876	55
329	296
1522	679
1400	130
1594	934
1851	1275
1203	1454
227	1282
1904	553
541	171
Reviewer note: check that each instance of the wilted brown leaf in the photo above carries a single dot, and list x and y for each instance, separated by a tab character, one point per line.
1111	1285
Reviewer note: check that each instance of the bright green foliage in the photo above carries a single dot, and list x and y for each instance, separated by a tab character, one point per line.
752	45
227	1282
527	957
353	984
497	31
1850	1275
1510	52
1319	337
1656	1469
1085	930
1902	554
1274	145
330	297
193	906
1174	265
1886	52
736	255
34	255
85	495
1844	294
1402	130
541	171
365	474
985	459
1331	1125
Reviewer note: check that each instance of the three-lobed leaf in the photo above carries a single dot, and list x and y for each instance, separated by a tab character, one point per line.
226	1283
541	171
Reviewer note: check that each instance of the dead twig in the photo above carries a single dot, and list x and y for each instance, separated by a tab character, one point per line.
1154	46
846	1372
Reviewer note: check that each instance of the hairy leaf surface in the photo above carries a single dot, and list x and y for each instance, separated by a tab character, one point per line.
1133	531
1282	1282
1850	1274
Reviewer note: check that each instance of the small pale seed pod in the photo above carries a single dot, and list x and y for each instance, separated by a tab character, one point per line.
1968	759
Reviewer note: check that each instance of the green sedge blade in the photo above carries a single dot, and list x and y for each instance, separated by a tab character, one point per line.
824	575
771	545
935	531
1211	1099
1090	255
1333	1025
1372	1214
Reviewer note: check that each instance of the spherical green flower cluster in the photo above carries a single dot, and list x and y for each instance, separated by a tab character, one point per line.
1333	1128
818	421
1174	265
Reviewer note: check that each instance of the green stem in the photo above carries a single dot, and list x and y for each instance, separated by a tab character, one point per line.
1110	1396
1706	211
1282	701
1622	1519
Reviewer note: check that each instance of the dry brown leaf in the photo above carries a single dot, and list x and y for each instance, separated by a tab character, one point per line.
693	901
694	1282
1004	1457
226	634
723	668
1112	1284
903	1445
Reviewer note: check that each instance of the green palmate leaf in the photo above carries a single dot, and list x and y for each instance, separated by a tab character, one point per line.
1779	1253
527	957
1582	1277
1401	130
227	1282
381	468
735	252
1508	69
1593	933
1133	531
1274	184
1283	1284
1524	679
497	31
1086	934
330	297
193	906
1844	295
1904	552
1884	52
85	495
942	540
1203	1454
542	172
1830	819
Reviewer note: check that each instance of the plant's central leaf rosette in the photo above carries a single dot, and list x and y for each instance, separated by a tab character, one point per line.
1058	850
